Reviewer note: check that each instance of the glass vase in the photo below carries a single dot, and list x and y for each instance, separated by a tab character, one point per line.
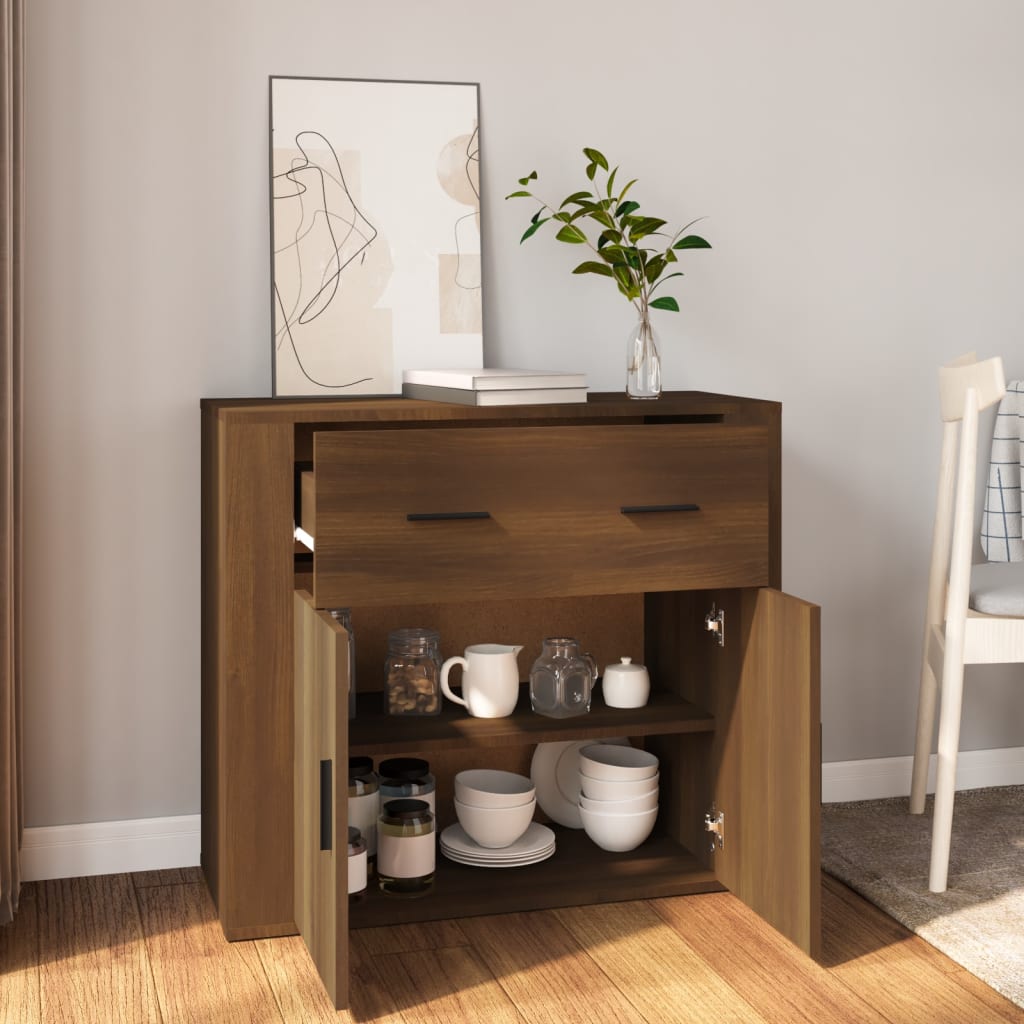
643	363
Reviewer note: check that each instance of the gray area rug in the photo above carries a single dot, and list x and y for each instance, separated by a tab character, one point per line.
882	851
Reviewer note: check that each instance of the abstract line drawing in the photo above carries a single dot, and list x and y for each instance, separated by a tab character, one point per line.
348	234
375	231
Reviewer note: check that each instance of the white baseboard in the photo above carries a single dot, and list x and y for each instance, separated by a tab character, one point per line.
890	776
110	847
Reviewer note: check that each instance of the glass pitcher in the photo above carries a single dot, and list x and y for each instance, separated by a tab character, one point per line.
561	679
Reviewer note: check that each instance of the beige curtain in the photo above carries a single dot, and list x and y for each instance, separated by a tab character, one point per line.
11	265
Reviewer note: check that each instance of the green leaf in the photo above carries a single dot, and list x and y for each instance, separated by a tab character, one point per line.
532	176
532	228
625	209
593	267
587	209
564	216
576	197
622	194
692	242
571	234
665	302
611	182
613	254
654	268
604	218
678	273
644	226
591	171
521	192
623	276
595	157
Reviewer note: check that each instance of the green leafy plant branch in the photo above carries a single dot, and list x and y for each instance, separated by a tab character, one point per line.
636	269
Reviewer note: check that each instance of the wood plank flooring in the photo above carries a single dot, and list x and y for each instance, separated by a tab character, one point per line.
147	949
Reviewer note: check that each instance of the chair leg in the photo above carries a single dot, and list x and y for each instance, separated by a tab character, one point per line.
945	778
923	744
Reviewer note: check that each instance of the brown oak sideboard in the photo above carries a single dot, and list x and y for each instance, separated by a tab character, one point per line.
631	525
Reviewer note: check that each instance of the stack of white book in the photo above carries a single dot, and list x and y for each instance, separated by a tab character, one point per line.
495	386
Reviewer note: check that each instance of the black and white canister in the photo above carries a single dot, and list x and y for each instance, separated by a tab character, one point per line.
406	848
364	803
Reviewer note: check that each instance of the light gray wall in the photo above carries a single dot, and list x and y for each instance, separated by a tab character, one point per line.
860	166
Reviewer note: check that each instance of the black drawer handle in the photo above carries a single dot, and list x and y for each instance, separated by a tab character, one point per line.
628	510
326	805
419	517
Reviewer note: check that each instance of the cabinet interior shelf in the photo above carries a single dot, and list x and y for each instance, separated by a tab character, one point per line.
376	733
579	872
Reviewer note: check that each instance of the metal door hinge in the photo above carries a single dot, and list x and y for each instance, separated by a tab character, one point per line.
714	622
715	824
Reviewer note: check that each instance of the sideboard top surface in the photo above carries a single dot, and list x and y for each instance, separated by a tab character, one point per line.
394	409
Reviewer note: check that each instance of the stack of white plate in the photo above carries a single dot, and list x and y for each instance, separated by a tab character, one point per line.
537	843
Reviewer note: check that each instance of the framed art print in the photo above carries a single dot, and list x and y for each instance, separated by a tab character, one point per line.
375	232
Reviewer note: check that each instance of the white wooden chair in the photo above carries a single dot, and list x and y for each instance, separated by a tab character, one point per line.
956	632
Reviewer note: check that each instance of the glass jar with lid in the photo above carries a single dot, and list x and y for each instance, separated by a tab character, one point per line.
404	777
405	848
357	865
344	617
561	679
412	672
364	803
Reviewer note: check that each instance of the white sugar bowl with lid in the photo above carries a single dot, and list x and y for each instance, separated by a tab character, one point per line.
625	685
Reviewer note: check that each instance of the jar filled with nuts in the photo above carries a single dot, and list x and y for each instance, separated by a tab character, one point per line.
412	672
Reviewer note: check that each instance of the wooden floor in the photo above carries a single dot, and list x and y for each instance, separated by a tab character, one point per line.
147	947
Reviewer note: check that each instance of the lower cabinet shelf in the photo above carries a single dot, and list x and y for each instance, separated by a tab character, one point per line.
578	873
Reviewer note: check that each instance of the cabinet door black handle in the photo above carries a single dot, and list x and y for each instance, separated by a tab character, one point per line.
628	510
417	517
326	805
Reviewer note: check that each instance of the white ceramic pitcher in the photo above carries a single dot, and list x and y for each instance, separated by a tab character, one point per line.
490	680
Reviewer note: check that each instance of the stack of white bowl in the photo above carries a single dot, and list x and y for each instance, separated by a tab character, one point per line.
494	807
618	795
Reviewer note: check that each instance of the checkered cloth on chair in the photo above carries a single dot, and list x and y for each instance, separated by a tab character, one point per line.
1001	538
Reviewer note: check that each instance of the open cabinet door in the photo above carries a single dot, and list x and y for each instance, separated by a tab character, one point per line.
768	755
321	792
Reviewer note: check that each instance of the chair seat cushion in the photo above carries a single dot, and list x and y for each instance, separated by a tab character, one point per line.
998	588
999	601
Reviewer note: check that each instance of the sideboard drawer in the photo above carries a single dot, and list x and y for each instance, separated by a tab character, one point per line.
496	512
